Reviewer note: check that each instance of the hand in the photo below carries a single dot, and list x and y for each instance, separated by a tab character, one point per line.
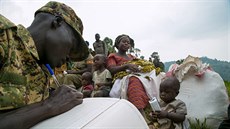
96	87
99	84
162	114
70	71
63	99
133	68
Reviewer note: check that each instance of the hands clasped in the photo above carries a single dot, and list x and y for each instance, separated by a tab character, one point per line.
133	68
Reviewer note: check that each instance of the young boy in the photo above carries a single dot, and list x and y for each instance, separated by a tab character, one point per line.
87	84
173	111
101	76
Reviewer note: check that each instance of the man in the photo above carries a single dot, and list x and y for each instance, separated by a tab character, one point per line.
54	36
99	46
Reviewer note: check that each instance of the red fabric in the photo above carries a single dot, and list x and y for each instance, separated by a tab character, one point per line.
115	60
136	92
88	87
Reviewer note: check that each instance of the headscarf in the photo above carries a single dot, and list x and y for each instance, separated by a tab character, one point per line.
120	37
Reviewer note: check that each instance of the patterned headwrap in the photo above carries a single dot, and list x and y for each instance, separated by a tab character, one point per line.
120	37
69	16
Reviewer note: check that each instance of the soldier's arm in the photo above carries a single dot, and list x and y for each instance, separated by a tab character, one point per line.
24	117
62	100
2	54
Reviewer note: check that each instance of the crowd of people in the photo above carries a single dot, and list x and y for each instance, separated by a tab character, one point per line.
27	94
96	79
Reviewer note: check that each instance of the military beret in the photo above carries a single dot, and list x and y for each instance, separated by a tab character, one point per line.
70	17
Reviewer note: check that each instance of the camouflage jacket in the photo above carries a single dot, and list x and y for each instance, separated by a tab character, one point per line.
22	80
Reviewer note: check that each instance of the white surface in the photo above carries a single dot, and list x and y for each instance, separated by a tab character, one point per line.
205	97
98	113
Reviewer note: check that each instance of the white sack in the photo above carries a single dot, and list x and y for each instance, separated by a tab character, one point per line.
203	91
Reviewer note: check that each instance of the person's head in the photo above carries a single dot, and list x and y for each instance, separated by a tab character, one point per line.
97	37
57	32
122	43
169	89
86	78
99	61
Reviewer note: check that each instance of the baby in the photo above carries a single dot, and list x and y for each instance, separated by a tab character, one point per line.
173	111
87	84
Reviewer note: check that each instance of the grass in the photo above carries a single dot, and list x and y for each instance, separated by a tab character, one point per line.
227	84
198	124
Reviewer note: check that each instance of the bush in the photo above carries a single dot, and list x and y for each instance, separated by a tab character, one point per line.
227	84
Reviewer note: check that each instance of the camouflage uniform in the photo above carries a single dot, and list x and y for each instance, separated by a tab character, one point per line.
22	80
75	79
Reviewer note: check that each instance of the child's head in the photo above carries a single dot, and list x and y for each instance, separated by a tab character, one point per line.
86	78
99	61
169	89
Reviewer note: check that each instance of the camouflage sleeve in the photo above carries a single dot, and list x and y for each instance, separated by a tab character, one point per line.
2	53
5	24
2	50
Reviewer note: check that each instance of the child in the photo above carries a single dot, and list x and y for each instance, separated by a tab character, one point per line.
87	84
101	76
173	111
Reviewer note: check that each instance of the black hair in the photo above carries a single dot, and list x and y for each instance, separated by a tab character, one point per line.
118	39
171	82
101	56
89	75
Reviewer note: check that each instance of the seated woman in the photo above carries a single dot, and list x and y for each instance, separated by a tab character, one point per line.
132	81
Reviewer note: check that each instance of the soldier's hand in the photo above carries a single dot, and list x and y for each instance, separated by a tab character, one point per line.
63	99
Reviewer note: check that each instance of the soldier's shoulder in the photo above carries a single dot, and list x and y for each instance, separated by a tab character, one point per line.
6	23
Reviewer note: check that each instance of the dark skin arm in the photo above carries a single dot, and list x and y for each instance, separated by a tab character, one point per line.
86	93
175	117
109	83
62	100
98	85
87	69
131	67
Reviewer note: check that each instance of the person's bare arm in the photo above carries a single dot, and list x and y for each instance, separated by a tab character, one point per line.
87	69
175	117
115	69
109	83
62	100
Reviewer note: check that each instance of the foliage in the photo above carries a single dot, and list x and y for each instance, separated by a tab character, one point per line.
155	59
227	85
198	124
180	61
221	67
109	42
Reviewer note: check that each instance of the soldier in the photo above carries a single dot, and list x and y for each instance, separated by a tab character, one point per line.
54	35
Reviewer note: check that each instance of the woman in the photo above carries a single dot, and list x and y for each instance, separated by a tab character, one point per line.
134	87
